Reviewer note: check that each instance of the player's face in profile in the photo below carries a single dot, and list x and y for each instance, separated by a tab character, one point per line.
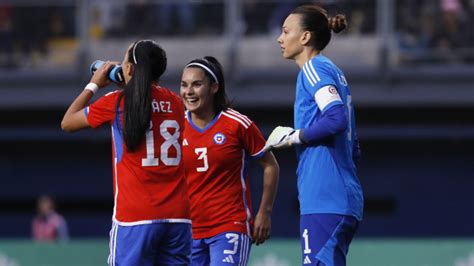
290	36
197	91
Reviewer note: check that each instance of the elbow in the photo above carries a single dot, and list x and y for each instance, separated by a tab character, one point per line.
339	125
66	127
342	124
336	120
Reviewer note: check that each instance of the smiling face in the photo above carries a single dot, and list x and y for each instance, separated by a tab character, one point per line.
291	39
197	91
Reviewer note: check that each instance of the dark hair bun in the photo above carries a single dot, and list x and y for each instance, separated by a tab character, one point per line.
337	23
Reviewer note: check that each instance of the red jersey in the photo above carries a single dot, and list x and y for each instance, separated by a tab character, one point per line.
215	160
149	183
49	228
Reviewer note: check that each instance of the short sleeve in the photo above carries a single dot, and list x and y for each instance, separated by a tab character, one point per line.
103	110
181	110
321	84
254	142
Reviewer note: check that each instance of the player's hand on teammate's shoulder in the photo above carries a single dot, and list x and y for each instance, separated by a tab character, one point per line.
281	137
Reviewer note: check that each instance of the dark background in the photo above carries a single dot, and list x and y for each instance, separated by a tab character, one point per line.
409	65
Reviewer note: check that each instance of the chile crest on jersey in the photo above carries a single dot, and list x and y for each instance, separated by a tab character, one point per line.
219	138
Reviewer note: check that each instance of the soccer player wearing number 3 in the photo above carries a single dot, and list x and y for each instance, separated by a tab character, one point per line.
324	135
218	141
151	216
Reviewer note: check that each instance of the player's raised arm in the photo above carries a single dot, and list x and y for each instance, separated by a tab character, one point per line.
146	122
75	118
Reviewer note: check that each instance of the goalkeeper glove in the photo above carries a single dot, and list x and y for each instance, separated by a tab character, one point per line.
282	137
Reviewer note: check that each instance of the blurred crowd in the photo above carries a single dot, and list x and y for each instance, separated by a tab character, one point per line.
26	30
441	30
185	17
426	30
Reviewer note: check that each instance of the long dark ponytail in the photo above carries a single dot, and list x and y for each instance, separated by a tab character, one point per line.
149	63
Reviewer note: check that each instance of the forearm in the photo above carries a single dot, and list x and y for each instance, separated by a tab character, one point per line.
69	123
74	118
332	122
79	103
271	172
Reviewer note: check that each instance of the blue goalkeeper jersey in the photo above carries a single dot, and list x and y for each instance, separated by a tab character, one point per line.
327	179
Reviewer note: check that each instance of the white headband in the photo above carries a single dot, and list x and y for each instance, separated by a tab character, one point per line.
205	68
135	47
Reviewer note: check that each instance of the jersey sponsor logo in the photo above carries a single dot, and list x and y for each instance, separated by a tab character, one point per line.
219	138
229	259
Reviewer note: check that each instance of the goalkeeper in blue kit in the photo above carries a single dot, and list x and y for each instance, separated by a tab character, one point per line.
324	137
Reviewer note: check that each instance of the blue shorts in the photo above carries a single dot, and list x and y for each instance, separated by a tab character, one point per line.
325	238
150	244
229	248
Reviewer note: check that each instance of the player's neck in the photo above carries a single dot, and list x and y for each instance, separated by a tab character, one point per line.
202	119
305	56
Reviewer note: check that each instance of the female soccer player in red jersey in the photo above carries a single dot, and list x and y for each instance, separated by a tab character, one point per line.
151	217
218	141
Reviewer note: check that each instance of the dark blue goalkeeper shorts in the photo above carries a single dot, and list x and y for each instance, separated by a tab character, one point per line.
325	238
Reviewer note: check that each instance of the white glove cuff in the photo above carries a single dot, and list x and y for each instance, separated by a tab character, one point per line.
295	137
92	87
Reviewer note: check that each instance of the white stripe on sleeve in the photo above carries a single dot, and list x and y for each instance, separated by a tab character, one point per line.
243	117
236	119
311	68
311	79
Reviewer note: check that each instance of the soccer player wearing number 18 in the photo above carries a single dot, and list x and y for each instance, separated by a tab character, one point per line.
217	143
330	194
151	216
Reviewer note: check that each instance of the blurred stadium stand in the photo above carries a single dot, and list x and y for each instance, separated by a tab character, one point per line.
410	67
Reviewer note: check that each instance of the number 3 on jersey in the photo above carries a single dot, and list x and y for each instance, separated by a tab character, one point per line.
202	152
170	140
